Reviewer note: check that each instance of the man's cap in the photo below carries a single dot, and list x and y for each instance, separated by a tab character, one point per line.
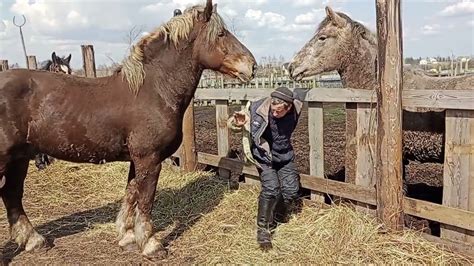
284	94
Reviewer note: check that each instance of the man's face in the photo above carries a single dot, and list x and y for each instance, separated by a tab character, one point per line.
279	110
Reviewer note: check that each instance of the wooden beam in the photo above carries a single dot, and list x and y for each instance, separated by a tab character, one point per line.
188	158
365	142
448	99
423	209
365	137
223	145
350	155
435	212
389	114
31	59
316	144
458	189
3	65
88	60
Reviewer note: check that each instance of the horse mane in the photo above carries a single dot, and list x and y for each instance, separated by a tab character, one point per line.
174	31
357	28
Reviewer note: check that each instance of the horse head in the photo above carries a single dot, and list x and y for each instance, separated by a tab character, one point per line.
60	64
336	41
215	47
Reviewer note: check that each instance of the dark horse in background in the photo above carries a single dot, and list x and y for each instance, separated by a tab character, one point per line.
134	115
58	65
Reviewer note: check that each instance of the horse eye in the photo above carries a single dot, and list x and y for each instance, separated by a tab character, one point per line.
322	38
221	34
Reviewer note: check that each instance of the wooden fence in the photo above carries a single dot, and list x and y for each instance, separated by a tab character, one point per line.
456	213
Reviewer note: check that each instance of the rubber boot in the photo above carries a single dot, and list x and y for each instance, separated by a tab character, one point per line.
264	219
280	215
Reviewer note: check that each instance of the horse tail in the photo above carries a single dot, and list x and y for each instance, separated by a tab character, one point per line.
2	181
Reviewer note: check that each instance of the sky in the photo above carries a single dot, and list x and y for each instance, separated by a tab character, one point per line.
266	27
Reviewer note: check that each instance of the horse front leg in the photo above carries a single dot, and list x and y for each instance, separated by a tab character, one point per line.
140	196
126	218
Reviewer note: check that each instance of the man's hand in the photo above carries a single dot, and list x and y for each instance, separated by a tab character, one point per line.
239	119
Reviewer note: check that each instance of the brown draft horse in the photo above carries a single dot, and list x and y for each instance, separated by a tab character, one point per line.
134	115
57	65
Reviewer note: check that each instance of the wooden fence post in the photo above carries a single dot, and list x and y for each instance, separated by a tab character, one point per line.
389	114
88	60
316	144
32	62
188	158
223	145
351	142
3	65
458	183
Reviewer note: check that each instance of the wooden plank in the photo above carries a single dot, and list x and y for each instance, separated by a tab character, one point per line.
323	185
31	59
88	60
223	145
389	114
419	208
249	179
3	65
365	146
439	213
423	209
458	190
316	144
188	158
365	142
449	99
350	155
316	95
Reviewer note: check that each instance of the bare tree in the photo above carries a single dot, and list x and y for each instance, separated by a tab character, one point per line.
133	34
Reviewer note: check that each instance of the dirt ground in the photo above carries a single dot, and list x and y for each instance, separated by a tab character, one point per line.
198	220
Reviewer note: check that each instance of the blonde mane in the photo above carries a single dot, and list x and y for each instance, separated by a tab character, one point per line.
176	29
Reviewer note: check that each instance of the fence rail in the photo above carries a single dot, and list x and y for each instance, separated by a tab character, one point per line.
445	99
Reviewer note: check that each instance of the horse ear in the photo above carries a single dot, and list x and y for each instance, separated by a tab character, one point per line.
68	59
208	11
335	18
54	57
214	8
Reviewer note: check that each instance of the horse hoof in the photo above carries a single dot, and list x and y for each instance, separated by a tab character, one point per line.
131	247
266	246
153	250
157	255
41	166
36	242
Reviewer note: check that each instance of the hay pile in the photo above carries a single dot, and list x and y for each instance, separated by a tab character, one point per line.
199	221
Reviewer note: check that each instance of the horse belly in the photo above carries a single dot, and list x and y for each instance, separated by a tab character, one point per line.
77	144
